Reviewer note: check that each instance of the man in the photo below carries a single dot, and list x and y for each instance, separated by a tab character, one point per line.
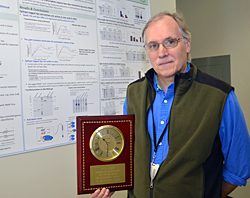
191	138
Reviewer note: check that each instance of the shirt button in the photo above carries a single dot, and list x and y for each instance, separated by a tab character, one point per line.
165	101
162	122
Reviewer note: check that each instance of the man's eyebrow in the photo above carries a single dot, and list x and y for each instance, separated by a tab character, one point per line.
168	38
152	42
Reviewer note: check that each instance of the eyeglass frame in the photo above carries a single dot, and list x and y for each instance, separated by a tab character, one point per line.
176	39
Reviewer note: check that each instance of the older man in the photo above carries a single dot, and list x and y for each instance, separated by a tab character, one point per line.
191	138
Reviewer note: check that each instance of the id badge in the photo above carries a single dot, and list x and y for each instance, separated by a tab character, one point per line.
154	170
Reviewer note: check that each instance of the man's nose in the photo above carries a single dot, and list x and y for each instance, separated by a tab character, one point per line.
162	51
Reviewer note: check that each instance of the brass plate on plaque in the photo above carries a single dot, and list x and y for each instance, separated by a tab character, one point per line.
107	174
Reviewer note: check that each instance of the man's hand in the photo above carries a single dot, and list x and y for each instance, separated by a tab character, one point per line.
104	193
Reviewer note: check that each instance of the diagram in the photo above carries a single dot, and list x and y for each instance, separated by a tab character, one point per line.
134	56
45	134
108	92
110	34
109	108
105	10
7	137
80	103
43	105
108	72
125	72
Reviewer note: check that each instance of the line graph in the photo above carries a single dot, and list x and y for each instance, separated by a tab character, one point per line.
62	31
40	51
65	53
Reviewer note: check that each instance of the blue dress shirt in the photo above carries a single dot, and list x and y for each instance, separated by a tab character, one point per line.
233	134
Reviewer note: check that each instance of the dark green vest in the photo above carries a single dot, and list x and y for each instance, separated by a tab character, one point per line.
193	167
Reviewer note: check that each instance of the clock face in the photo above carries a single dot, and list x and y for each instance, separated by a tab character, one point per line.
106	143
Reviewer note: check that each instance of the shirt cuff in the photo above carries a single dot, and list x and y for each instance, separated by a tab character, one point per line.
233	179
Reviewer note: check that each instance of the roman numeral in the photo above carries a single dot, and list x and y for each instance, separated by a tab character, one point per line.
97	149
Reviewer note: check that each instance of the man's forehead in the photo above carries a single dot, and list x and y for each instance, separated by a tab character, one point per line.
165	21
164	26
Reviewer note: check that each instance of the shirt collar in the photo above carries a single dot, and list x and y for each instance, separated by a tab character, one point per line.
156	84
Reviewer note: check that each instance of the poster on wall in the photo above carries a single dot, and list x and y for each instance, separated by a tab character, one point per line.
62	59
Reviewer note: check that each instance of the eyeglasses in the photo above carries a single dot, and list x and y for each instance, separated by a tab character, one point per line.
167	43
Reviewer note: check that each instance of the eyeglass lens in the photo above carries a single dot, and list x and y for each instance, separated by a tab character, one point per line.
167	43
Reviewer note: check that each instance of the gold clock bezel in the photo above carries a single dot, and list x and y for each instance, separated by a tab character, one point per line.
106	159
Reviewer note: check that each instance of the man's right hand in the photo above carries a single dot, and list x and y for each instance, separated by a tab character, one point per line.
104	193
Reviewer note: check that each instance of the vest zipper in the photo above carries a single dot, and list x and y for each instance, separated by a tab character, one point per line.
152	184
151	188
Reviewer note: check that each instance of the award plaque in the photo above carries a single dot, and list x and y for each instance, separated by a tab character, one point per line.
105	152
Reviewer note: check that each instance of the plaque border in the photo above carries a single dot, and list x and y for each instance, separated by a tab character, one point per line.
82	150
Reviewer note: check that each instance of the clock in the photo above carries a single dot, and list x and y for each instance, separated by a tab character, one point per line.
106	143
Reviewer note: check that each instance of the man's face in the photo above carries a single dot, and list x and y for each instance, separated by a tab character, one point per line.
167	62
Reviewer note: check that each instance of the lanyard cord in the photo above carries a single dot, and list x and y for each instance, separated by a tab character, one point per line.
154	132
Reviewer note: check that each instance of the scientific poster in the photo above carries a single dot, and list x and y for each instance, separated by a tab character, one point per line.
61	59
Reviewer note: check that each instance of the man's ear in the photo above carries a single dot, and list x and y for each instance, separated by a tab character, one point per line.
188	46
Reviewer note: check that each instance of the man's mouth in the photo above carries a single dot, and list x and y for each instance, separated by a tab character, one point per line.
165	62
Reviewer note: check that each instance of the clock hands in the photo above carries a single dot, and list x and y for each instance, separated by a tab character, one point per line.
107	143
107	149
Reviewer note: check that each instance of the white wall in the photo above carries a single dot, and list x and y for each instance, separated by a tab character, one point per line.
157	6
222	28
50	173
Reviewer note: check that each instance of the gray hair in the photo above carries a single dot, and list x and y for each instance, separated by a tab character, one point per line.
178	17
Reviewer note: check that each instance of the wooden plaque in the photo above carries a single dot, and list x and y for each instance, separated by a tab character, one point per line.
105	152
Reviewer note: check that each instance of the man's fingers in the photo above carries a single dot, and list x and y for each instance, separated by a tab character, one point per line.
104	193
